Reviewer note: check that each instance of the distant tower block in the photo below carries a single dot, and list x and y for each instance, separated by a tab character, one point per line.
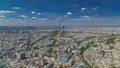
28	42
29	39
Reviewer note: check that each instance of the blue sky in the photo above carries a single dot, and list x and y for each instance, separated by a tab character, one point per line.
53	12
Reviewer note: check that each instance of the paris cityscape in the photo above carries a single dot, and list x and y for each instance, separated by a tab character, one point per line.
85	47
59	34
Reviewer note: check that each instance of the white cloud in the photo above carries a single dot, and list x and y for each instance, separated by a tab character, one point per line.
15	7
1	16
95	8
65	15
5	12
42	19
95	15
85	16
39	13
34	17
69	13
22	16
33	12
83	9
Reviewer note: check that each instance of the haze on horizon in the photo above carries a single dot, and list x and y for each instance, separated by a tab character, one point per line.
53	12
